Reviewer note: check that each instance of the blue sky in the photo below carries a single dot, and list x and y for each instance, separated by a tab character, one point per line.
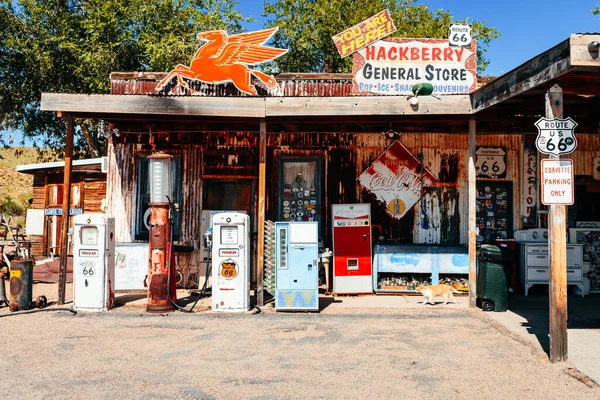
528	27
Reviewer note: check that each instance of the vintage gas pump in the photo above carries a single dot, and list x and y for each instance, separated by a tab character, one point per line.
231	262
93	262
162	293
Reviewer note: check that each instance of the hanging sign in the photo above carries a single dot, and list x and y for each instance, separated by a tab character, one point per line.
459	35
364	33
556	136
491	161
393	66
396	178
529	186
557	182
226	58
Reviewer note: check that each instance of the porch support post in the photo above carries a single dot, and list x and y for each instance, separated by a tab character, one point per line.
472	226
64	237
260	297
557	252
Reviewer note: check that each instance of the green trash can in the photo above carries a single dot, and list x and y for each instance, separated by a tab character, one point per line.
492	288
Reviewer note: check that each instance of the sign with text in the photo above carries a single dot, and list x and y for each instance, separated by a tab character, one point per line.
397	179
58	211
364	33
459	35
529	187
491	161
556	136
393	66
557	182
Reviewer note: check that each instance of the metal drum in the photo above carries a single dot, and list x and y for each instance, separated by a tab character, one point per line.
21	284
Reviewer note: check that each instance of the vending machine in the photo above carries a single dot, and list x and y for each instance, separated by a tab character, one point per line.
231	262
352	270
297	266
93	262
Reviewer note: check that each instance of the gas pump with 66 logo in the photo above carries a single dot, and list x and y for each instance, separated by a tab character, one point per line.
231	262
93	262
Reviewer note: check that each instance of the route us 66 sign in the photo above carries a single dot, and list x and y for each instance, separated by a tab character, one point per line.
491	161
459	35
556	136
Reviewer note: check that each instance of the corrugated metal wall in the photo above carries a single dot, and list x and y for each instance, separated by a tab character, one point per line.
441	216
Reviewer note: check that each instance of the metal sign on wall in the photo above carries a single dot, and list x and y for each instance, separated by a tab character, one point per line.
393	66
556	136
491	162
364	33
529	186
397	178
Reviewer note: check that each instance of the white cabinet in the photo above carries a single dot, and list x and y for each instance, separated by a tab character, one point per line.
534	265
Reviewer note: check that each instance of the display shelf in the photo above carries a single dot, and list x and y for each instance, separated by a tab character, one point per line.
410	265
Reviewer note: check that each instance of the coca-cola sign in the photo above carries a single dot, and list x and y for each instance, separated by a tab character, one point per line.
397	180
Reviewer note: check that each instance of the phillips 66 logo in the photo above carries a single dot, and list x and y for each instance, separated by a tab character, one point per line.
556	136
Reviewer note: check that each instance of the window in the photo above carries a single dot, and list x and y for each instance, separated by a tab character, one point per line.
142	218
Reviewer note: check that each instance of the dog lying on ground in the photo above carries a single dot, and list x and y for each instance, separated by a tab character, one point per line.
429	292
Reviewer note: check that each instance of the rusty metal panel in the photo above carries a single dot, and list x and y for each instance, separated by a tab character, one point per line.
588	148
302	85
121	189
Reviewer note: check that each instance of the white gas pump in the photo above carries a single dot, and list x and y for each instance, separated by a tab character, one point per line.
93	262
231	262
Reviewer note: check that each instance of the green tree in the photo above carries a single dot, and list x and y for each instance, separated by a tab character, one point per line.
72	46
596	10
307	26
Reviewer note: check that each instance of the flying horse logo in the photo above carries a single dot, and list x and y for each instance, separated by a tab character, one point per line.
226	58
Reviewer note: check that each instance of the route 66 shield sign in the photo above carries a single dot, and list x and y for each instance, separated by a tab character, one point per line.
556	136
491	161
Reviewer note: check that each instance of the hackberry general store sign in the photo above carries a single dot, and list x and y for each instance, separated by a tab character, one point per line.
393	66
396	178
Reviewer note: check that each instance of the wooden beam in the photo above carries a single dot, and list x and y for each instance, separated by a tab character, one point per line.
64	237
472	175
366	105
539	70
557	253
252	107
581	54
260	294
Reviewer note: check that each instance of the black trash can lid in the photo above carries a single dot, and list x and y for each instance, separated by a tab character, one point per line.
490	252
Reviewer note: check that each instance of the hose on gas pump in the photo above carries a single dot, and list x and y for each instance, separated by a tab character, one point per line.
180	308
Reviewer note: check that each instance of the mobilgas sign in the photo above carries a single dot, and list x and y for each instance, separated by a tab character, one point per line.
393	66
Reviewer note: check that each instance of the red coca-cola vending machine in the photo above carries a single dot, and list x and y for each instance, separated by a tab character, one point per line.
352	271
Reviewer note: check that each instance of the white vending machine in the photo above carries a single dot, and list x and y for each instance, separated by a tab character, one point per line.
93	262
231	262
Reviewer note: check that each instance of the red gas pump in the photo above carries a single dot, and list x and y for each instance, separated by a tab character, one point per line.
352	270
160	281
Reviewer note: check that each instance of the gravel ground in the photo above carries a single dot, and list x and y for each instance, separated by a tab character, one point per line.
340	353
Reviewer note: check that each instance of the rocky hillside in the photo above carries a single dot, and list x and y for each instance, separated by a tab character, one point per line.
15	187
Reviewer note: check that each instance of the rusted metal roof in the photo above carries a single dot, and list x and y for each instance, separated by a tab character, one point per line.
289	85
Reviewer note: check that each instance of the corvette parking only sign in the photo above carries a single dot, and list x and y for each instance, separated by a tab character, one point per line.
556	136
557	182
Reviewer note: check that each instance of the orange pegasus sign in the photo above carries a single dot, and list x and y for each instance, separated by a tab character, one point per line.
226	58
